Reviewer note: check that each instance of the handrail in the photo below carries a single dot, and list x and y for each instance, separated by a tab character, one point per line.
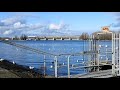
27	48
43	52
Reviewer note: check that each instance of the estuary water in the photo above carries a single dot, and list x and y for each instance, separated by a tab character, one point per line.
28	58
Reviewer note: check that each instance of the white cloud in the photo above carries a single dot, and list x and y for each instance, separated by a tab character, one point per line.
36	26
61	25
12	20
7	32
54	26
17	25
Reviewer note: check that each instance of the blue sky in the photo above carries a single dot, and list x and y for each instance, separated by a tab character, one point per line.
76	21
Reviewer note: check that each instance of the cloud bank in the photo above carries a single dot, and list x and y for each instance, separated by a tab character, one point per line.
17	25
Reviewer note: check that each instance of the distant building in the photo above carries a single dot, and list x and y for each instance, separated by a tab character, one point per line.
6	38
31	38
105	29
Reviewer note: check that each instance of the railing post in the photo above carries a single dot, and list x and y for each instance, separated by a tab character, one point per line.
98	54
44	65
55	64
113	54
69	66
119	54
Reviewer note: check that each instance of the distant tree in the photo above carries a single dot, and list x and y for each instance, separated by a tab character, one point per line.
23	37
84	36
16	38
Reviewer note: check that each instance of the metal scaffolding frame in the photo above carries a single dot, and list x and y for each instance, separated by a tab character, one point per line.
116	54
94	47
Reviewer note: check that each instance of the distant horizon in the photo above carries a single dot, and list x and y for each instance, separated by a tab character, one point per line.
57	35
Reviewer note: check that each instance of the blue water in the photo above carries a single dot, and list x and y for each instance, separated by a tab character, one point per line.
25	57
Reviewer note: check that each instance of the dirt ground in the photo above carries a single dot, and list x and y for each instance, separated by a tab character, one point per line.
4	73
10	70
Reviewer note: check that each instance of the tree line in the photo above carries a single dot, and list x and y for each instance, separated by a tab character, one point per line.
83	36
22	37
97	36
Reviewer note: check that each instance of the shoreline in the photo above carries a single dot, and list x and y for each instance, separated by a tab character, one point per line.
10	70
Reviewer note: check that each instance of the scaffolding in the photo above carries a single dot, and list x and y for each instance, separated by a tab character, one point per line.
116	54
93	58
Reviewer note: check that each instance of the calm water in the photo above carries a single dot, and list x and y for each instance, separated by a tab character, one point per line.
25	57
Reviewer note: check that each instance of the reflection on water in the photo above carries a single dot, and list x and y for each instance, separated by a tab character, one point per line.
25	57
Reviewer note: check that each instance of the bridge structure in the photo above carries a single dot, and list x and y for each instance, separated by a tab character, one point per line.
53	37
93	63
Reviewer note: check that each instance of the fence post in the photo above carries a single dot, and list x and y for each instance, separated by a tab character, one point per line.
69	66
55	63
113	53
44	65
